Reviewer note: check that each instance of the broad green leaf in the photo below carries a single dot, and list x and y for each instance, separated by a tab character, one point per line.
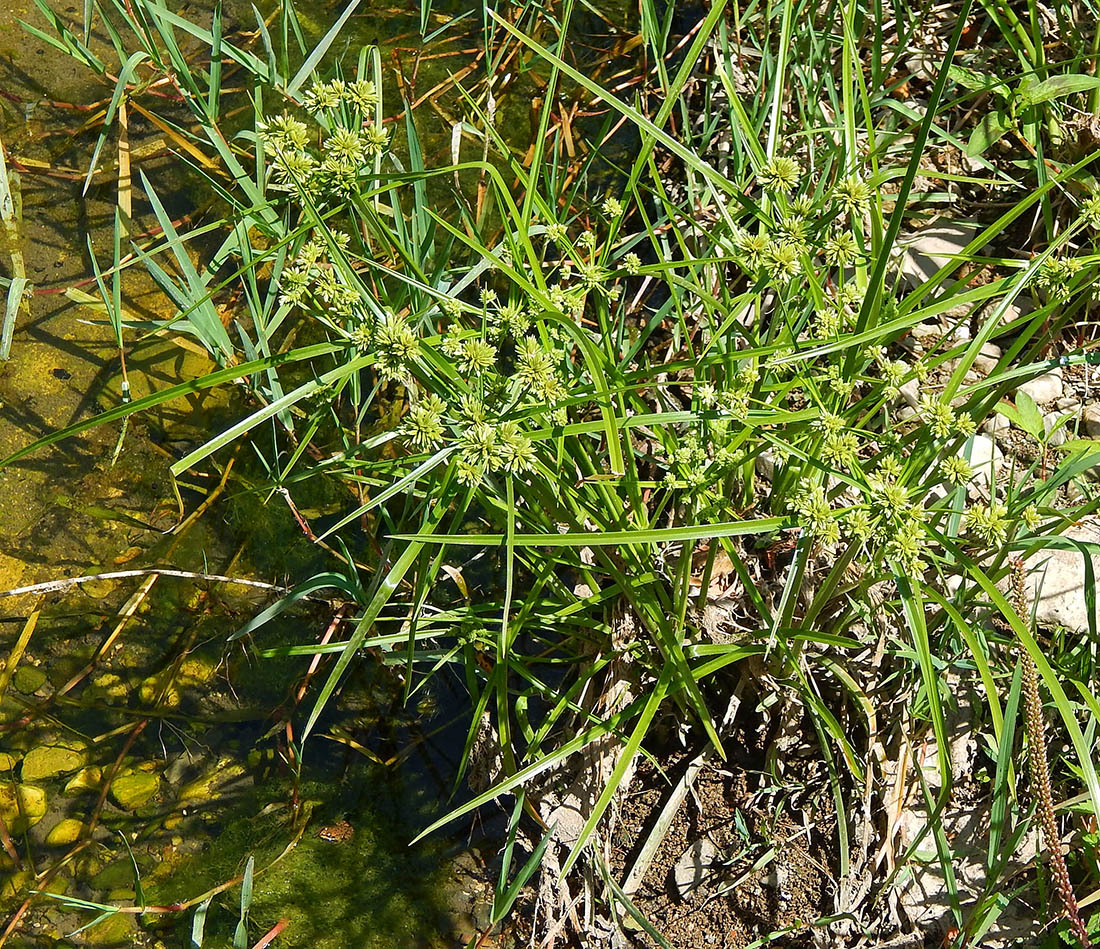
989	130
1031	419
1055	87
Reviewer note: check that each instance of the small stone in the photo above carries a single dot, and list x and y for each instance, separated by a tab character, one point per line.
1068	404
984	457
154	690
109	685
996	424
1044	388
765	465
910	391
64	832
86	779
21	805
133	790
15	885
1050	424
930	248
203	788
1056	580
695	865
7	761
117	873
923	331
28	679
117	930
1091	419
197	670
986	360
47	761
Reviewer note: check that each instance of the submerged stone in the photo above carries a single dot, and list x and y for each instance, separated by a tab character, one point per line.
196	670
86	779
28	679
7	761
47	761
64	832
109	685
133	790
117	930
203	788
21	805
153	691
15	884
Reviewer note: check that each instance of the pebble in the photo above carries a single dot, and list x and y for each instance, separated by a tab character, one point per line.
64	832
1057	580
1044	388
46	761
133	790
930	248
985	458
1091	418
923	331
696	863
21	806
910	391
996	424
1050	420
986	360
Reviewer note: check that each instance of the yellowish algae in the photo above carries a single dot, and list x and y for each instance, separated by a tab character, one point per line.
86	779
21	805
64	832
130	791
47	761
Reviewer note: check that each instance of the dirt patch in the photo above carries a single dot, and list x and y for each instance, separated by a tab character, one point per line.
762	855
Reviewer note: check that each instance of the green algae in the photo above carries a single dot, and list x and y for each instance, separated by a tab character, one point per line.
48	761
66	831
131	791
370	891
21	805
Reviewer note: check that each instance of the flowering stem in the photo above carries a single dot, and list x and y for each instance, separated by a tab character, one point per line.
1040	774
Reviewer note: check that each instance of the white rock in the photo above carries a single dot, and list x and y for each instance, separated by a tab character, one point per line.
695	865
996	425
1056	580
984	457
1069	403
1091	419
986	360
1050	421
911	392
1044	388
931	248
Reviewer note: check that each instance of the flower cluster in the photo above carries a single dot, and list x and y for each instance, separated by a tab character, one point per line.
331	158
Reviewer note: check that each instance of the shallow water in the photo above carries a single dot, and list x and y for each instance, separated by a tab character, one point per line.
133	676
